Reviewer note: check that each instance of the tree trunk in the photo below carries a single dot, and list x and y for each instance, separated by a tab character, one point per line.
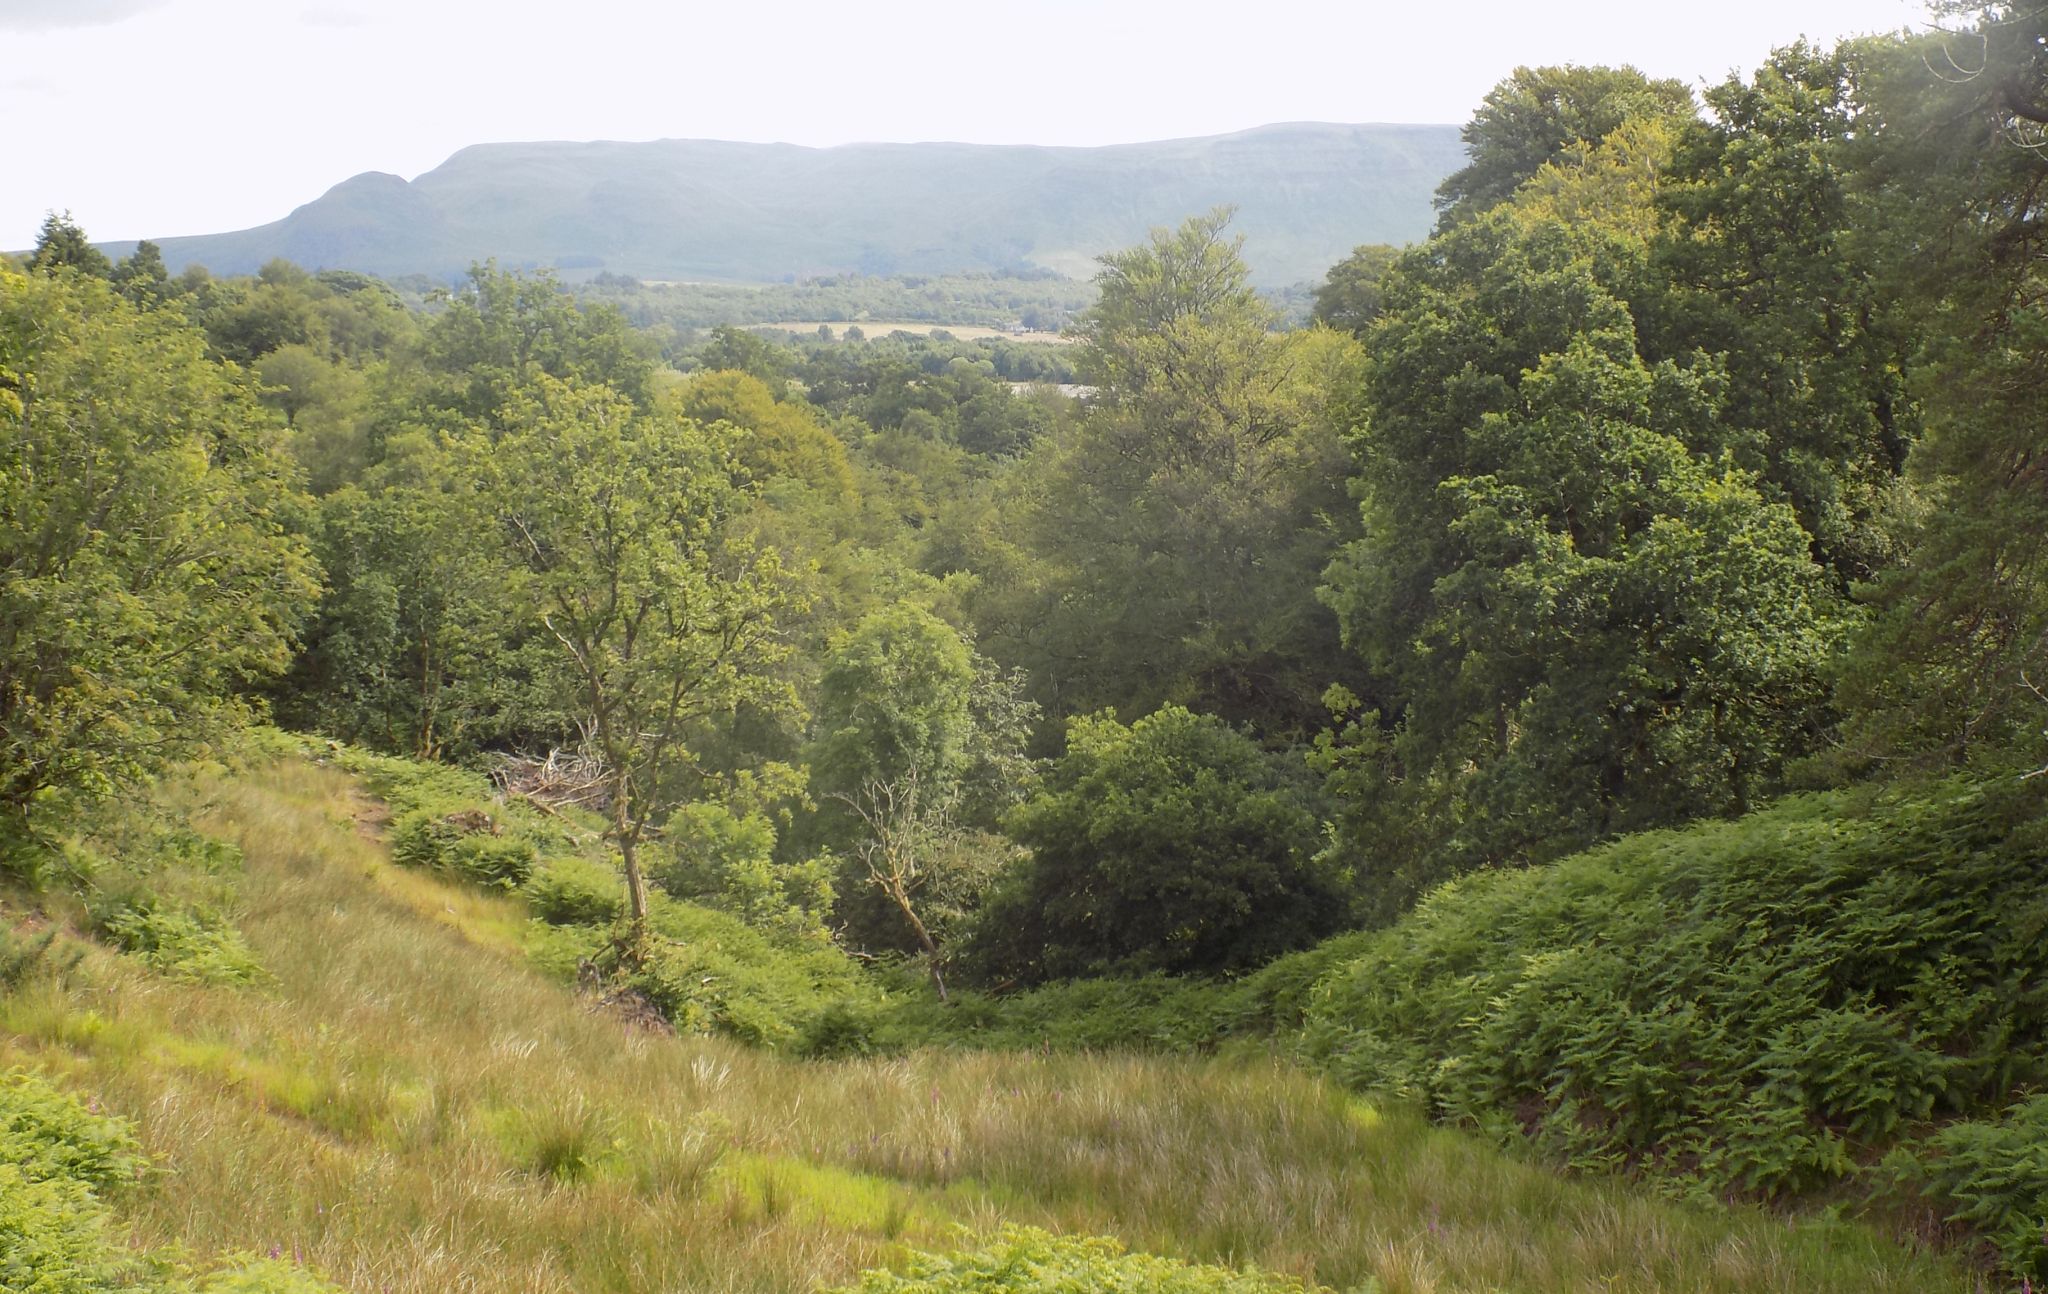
629	858
924	936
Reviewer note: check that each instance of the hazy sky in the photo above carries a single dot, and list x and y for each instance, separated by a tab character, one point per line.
155	117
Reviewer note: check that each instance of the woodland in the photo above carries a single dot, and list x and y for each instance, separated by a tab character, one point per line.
1533	779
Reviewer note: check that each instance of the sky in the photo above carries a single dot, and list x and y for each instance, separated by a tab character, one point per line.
150	118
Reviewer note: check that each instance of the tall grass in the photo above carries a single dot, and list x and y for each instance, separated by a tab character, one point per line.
403	1102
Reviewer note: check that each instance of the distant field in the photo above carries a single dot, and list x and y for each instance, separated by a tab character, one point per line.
883	327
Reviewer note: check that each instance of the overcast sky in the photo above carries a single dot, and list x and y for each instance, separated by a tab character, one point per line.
148	118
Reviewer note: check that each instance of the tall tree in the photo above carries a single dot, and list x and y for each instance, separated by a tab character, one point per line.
412	650
1952	136
1170	541
141	276
146	569
617	523
1349	297
1769	263
918	749
61	244
1540	114
500	331
1591	616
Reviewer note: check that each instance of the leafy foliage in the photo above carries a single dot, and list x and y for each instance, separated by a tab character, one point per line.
47	1133
183	943
1349	297
1992	1174
1026	1260
707	972
616	524
59	1160
56	1160
1591	605
1167	543
466	844
53	1237
1751	1005
918	748
1174	844
1949	667
1540	114
146	571
727	860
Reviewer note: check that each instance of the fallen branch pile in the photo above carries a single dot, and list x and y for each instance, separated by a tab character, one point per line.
559	779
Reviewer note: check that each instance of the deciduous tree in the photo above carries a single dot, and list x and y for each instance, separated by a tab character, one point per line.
147	572
1174	844
617	524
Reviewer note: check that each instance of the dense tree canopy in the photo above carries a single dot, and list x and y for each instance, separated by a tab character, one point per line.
147	570
1349	297
1586	570
1169	538
1955	662
1538	115
1172	844
615	523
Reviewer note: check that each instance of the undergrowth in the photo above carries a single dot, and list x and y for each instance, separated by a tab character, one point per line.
1761	1007
1027	1261
61	1163
408	1104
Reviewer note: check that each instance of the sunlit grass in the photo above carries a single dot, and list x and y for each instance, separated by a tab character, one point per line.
411	1108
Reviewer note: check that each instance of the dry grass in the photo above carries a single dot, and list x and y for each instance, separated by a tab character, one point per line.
413	1110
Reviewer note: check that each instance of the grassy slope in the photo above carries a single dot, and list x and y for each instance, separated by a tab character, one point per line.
411	1108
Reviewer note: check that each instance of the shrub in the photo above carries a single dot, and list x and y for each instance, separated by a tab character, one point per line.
57	1158
838	1031
465	843
183	944
49	1134
726	860
707	972
1175	845
1993	1176
1750	1005
573	891
425	839
55	1155
53	1237
1028	1261
24	957
499	862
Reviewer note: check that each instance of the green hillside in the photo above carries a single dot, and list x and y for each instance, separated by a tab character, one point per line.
392	1095
1842	993
1523	767
701	209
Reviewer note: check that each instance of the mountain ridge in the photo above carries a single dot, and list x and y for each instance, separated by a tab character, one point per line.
720	210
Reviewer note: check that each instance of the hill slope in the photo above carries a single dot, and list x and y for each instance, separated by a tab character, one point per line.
703	209
400	1101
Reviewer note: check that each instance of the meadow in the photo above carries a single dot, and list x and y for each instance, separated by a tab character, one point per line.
402	1101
